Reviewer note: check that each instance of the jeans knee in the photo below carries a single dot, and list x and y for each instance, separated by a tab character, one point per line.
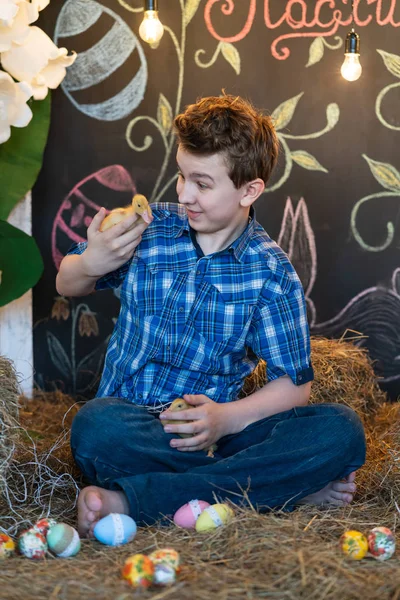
351	435
88	426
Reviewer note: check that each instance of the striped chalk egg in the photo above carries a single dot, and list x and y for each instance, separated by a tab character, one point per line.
63	540
115	529
214	516
100	69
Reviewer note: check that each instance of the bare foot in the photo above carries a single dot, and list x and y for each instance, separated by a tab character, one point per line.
94	503
336	493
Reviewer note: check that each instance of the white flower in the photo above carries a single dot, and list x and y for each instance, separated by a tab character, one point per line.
38	61
13	108
15	18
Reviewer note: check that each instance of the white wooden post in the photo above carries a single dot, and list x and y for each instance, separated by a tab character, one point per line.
16	335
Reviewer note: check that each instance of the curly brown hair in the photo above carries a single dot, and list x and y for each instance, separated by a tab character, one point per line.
232	126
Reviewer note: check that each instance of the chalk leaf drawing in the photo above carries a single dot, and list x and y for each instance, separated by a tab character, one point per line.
112	185
228	51
374	312
317	48
307	161
164	114
297	239
95	65
389	178
392	63
281	117
191	7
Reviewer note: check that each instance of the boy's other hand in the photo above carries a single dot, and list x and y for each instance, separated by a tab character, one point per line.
109	250
208	426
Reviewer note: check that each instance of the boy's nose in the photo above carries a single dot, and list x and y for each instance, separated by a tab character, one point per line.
184	195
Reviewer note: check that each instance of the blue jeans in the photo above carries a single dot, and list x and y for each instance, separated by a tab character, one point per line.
276	461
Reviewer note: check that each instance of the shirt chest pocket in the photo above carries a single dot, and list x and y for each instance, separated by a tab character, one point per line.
225	318
151	289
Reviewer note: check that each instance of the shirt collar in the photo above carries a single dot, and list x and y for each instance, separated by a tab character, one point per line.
239	246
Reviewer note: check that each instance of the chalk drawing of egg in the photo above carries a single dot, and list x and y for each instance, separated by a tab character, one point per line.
117	47
111	187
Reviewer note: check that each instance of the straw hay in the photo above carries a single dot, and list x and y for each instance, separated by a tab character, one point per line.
9	393
277	555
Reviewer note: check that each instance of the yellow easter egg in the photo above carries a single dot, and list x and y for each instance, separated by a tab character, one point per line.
138	570
214	516
354	544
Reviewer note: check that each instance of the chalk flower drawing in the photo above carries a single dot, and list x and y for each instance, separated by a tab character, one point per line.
281	117
374	311
392	63
13	105
389	178
83	374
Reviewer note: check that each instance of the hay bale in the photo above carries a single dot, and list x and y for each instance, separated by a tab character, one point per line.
343	373
9	413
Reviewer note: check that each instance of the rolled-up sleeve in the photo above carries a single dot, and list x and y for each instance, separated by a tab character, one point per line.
110	280
279	334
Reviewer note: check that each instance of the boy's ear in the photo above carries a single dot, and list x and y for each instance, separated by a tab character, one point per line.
252	190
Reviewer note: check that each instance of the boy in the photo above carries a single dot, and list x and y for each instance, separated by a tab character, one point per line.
205	294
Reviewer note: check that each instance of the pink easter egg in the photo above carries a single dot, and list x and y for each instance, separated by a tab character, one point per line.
111	187
187	515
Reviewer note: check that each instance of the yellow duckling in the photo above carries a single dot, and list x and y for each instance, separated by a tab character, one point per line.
181	404
139	205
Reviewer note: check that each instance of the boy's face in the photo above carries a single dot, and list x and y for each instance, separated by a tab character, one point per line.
212	202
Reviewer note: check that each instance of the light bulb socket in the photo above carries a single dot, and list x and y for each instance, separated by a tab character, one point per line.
352	44
151	5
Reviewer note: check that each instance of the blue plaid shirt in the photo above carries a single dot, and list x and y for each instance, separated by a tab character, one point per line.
198	324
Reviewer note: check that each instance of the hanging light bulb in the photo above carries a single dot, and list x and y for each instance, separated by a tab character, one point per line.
151	29
351	68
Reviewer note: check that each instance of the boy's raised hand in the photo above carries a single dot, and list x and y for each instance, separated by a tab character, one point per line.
109	250
208	426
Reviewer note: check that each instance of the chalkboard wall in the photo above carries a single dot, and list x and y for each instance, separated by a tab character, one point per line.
333	203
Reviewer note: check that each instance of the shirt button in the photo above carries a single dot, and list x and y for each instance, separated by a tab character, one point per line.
140	395
300	378
181	309
168	347
198	272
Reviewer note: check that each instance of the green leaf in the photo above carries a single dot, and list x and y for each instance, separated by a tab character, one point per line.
21	157
21	264
231	54
316	52
191	7
392	62
164	114
385	174
307	161
283	114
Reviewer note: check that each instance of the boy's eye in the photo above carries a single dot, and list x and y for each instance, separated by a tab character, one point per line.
180	175
202	186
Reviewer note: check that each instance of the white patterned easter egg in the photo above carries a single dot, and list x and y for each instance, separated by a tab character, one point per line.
99	83
115	529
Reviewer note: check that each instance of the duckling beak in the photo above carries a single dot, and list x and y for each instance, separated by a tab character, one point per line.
147	216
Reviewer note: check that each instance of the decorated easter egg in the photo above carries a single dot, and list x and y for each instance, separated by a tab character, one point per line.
112	186
166	556
164	574
32	544
116	46
354	544
63	540
187	515
138	570
381	543
214	516
7	546
115	529
43	525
